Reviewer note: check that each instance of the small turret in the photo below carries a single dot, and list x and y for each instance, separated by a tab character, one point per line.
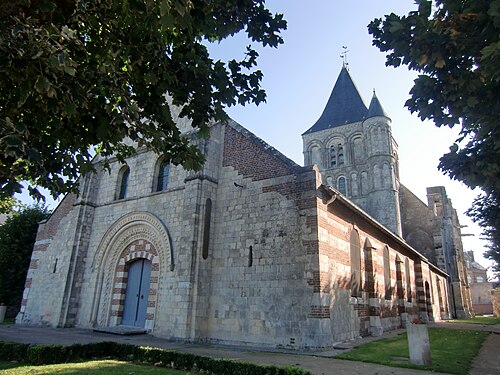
375	108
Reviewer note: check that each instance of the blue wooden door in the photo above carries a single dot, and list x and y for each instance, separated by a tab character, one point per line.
136	294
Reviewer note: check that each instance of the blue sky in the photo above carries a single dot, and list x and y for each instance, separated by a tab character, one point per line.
299	77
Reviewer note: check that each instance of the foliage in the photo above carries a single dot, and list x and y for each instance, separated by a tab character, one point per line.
452	351
17	236
7	204
85	76
486	212
50	354
455	46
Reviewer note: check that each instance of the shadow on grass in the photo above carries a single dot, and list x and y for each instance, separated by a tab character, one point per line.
452	351
105	367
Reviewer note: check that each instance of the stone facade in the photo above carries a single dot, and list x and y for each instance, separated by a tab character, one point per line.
251	250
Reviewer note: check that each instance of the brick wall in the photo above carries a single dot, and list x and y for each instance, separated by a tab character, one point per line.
245	153
49	229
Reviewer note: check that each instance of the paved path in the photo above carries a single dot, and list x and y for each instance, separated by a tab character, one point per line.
318	362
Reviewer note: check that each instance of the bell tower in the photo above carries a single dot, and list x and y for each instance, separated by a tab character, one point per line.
353	147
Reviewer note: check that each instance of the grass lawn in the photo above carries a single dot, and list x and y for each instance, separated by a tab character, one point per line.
107	367
452	351
487	320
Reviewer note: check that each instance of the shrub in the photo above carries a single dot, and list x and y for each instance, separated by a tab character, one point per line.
51	354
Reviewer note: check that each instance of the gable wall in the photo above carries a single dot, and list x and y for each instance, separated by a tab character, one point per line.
268	302
47	273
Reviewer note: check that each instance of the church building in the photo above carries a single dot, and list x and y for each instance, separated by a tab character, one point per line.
253	249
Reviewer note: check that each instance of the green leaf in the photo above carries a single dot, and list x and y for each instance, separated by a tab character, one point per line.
70	70
42	84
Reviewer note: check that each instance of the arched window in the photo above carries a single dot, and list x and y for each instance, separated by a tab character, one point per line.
163	172
123	176
337	154
387	273
358	149
333	156
316	156
342	185
355	264
354	185
407	280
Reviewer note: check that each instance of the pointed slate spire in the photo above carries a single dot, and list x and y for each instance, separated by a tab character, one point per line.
375	108
344	106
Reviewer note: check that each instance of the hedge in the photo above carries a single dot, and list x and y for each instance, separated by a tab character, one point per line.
51	354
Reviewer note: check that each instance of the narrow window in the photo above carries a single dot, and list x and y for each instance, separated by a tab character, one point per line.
163	172
342	185
206	228
333	156
355	264
250	256
340	154
387	274
124	175
408	280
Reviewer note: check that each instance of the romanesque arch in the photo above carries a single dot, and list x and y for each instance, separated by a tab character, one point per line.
134	236
315	153
336	149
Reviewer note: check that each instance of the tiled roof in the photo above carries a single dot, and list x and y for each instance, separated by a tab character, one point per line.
344	106
375	108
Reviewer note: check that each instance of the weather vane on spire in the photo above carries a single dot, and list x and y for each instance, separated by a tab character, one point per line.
343	55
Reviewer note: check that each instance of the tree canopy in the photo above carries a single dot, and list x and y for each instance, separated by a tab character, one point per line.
79	77
17	236
455	46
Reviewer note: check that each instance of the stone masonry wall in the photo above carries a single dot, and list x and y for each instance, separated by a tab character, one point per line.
259	290
416	223
46	278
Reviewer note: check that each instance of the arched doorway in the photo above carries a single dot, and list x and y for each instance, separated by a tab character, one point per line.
136	240
136	293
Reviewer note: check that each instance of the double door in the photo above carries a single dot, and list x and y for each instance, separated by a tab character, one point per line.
136	294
